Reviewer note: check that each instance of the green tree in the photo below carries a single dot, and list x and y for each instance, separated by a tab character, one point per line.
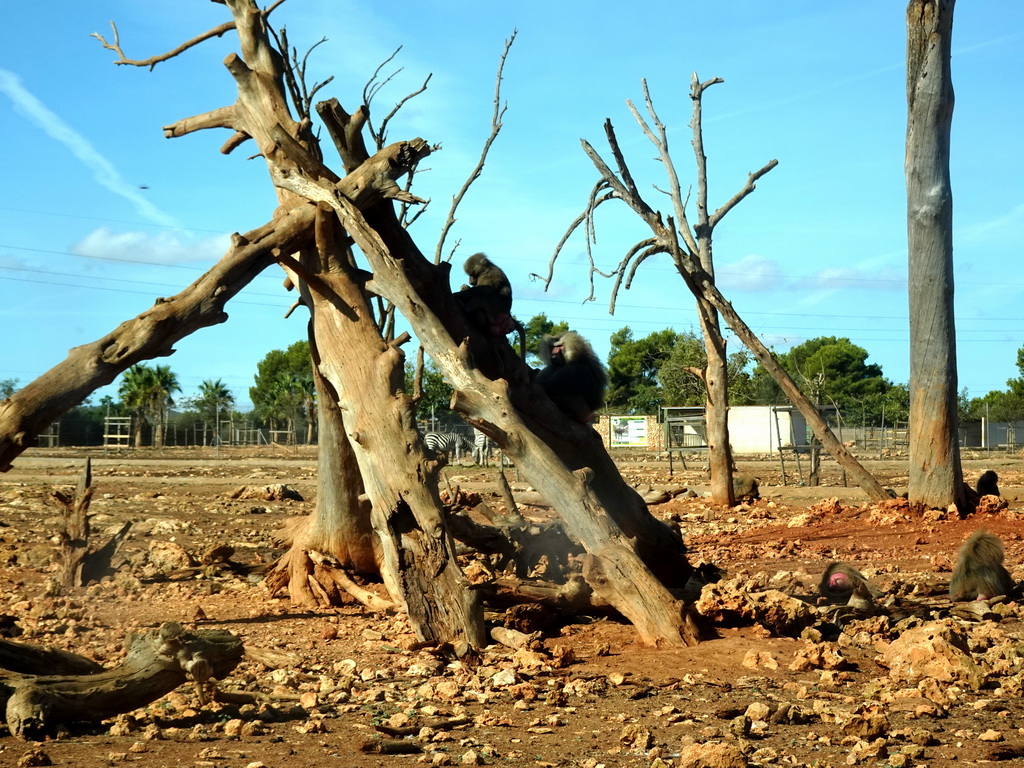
832	371
679	375
1001	405
284	387
536	328
8	387
146	392
436	393
166	383
633	366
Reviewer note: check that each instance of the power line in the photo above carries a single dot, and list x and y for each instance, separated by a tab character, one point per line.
175	288
119	290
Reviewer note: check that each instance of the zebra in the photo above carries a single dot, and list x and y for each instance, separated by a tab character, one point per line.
448	443
482	447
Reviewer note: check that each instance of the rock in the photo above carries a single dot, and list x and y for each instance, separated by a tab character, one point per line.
274	492
728	605
636	737
712	756
754	659
168	556
818	656
35	756
937	650
866	724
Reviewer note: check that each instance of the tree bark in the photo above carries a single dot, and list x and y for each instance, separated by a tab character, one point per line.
716	372
341	525
417	555
936	478
818	425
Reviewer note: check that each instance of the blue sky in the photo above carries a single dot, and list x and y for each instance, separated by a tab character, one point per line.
100	214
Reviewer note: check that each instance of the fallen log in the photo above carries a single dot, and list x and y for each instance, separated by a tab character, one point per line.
32	659
156	663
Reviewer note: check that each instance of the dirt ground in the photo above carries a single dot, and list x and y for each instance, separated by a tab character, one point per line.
613	702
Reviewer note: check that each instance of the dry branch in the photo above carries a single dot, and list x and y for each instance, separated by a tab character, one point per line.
496	126
156	664
691	252
152	334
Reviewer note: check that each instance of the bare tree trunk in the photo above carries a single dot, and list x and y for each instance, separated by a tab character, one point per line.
156	663
634	556
716	380
701	284
417	554
312	418
818	425
936	477
716	374
341	524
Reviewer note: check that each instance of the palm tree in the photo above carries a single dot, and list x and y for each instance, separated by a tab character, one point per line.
146	392
134	389
214	399
166	382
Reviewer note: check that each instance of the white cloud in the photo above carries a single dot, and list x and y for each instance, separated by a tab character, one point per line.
751	273
159	248
845	278
102	170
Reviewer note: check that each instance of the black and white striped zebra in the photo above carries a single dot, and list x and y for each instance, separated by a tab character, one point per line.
482	448
448	443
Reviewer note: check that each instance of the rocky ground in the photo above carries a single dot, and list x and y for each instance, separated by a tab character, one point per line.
915	684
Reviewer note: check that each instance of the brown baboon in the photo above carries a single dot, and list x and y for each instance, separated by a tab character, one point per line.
572	377
488	300
745	488
979	572
841	580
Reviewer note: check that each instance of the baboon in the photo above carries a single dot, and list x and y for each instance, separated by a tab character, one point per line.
745	488
842	580
572	376
488	300
979	572
988	484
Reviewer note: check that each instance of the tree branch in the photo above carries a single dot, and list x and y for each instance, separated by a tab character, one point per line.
152	61
151	334
496	126
222	117
747	189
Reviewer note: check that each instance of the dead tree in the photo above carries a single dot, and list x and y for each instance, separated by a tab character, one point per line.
634	560
690	249
936	477
79	564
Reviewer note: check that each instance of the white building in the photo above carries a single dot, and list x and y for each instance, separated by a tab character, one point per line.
763	428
